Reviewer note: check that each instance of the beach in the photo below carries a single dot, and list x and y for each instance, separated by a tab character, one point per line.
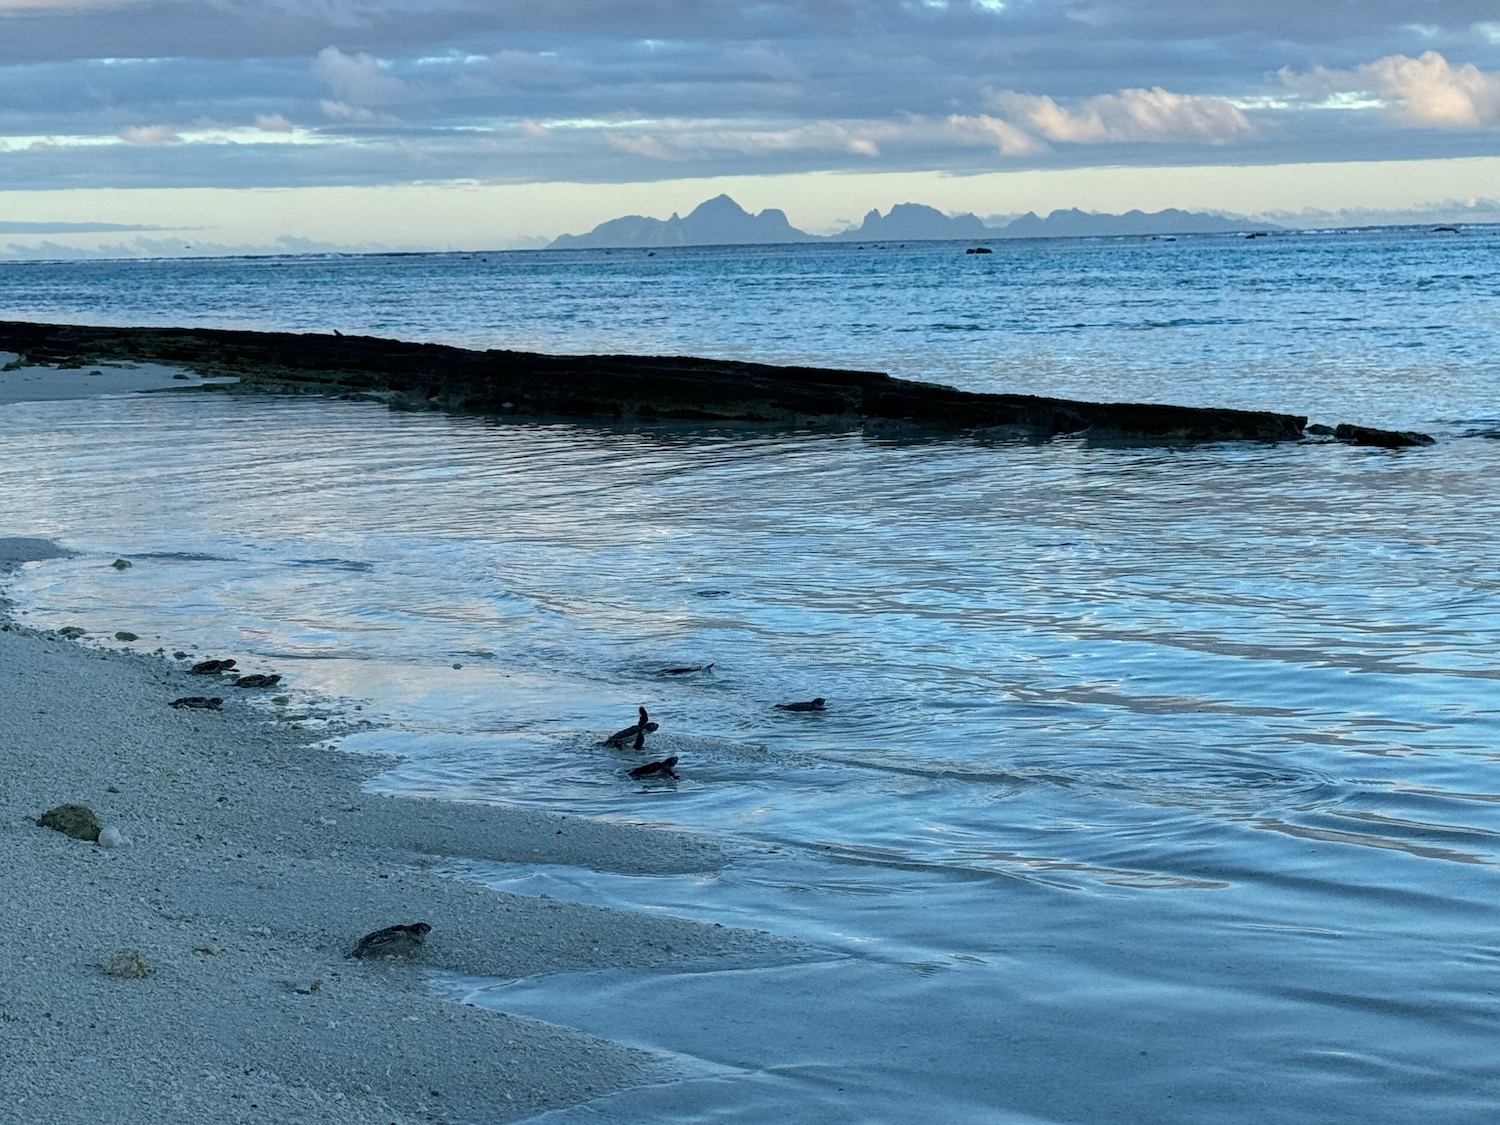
254	863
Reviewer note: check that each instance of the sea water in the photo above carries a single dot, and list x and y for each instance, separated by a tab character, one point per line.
1155	784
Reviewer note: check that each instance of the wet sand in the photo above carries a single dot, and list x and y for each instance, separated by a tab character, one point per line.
255	862
22	382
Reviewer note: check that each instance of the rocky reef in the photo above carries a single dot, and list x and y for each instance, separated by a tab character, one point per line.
630	388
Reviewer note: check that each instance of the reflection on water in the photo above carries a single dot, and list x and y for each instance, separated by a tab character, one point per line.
1146	774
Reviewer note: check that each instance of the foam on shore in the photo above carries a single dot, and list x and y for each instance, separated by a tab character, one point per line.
256	860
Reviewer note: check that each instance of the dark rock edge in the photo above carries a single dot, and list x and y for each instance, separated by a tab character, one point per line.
641	388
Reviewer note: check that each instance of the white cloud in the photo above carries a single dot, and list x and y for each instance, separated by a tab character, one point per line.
1154	115
343	111
273	123
1426	91
682	139
357	80
151	135
981	128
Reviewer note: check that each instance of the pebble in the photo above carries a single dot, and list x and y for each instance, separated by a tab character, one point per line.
112	837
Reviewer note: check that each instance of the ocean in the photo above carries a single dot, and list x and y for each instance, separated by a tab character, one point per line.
1155	783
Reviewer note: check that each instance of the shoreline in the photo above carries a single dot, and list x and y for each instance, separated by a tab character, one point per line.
256	860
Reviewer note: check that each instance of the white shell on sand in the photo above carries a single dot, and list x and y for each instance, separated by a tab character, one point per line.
112	837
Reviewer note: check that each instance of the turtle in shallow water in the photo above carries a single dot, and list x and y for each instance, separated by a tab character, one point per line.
258	679
621	737
198	702
393	941
687	670
211	667
807	705
662	768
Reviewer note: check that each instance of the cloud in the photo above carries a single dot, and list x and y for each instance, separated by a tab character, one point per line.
50	227
149	135
273	123
1423	92
682	139
1131	116
358	80
982	129
1429	91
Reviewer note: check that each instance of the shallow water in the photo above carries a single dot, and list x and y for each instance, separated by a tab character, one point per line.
1155	784
1388	326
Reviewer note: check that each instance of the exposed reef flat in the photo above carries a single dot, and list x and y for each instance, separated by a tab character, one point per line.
626	387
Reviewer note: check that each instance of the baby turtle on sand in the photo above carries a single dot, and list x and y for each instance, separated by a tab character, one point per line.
199	702
259	679
393	941
662	768
621	737
211	667
685	671
809	705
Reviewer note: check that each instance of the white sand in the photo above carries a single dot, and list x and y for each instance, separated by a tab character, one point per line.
36	384
256	861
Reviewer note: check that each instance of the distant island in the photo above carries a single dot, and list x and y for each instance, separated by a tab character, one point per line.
721	221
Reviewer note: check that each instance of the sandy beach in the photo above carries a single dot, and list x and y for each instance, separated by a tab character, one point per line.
23	382
254	863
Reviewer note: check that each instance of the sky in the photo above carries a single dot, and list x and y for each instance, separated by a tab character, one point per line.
202	126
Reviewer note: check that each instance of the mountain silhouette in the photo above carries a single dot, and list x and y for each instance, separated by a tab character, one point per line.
717	221
1073	223
721	221
914	222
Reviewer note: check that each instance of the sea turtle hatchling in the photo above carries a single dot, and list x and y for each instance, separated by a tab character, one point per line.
621	737
198	702
805	705
393	941
662	768
211	667
258	679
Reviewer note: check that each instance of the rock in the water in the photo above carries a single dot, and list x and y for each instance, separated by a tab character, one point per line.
1381	439
121	564
198	702
1317	429
128	964
77	821
393	941
124	635
430	376
72	632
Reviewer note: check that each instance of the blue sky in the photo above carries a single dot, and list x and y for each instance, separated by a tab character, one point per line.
480	123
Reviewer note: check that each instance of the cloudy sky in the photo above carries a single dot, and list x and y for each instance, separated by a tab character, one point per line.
158	124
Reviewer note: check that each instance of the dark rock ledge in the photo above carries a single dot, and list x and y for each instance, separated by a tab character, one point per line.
623	387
